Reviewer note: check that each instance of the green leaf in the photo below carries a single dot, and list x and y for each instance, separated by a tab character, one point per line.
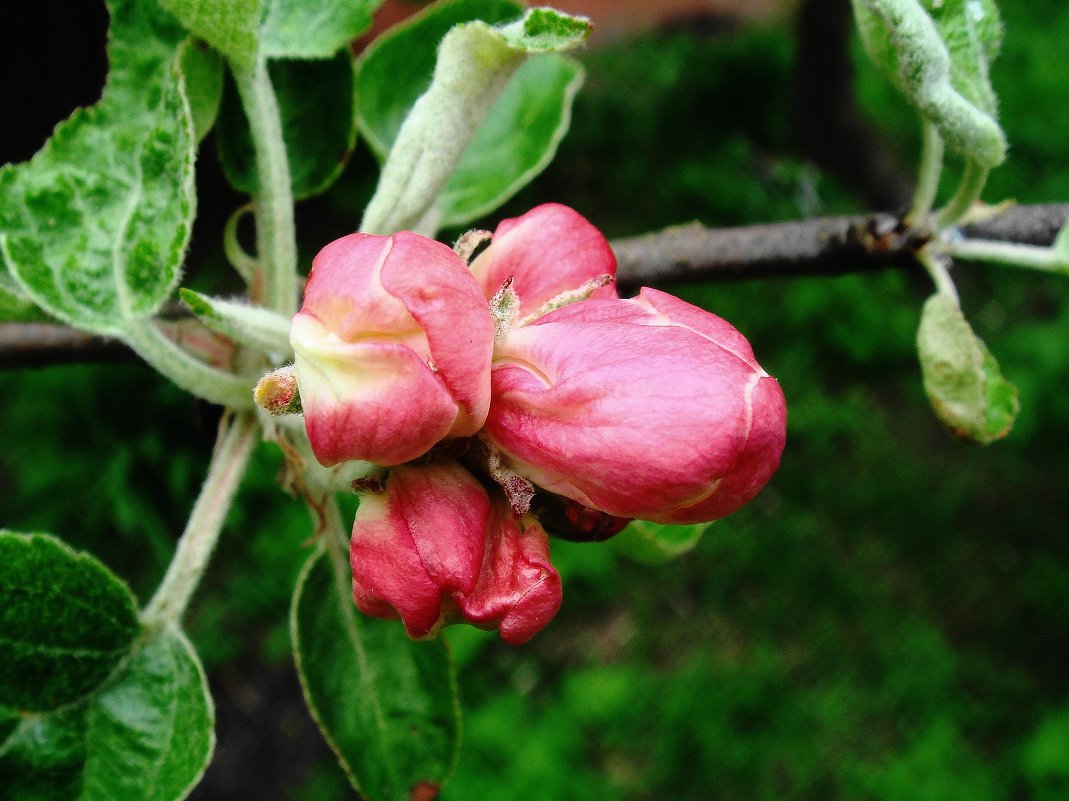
202	71
972	33
65	622
961	377
14	305
654	543
387	705
150	734
475	62
313	28
230	26
516	142
940	64
1061	242
315	100
41	759
147	736
95	226
254	326
549	30
397	67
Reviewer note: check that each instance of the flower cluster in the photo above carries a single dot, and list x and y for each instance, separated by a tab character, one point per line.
513	395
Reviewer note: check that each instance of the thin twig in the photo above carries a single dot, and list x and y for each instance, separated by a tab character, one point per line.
818	246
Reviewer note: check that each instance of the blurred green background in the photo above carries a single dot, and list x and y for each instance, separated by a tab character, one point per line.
888	620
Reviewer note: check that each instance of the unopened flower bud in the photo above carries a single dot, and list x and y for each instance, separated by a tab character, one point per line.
648	408
393	347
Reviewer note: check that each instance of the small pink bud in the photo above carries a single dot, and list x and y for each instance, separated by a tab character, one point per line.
393	348
648	408
417	542
549	253
519	591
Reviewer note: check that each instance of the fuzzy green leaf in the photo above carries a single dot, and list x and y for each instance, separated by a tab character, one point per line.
516	142
146	736
940	64
65	622
230	26
95	226
397	68
961	377
474	65
202	71
254	326
315	100
654	543
313	28
972	33
387	705
14	305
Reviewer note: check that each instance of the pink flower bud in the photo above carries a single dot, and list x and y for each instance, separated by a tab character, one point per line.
393	348
519	591
548	252
417	542
432	547
648	408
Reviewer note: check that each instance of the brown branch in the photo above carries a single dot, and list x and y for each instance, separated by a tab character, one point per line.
819	246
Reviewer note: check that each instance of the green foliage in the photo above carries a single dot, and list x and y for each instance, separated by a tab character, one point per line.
654	543
315	100
94	228
516	142
65	622
941	65
230	26
398	730
255	326
397	67
202	73
313	28
145	736
961	376
475	63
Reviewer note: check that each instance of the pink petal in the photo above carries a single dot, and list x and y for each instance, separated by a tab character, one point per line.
436	287
372	400
418	541
519	591
549	250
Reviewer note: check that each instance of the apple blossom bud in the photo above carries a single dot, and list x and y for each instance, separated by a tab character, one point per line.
519	591
392	347
648	408
551	252
418	541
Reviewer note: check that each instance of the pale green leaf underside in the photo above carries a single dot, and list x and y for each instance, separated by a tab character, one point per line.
65	622
386	705
397	68
944	78
961	377
654	543
475	62
313	28
230	26
517	140
254	326
146	736
94	227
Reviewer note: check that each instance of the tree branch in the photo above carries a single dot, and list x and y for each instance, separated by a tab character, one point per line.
819	246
